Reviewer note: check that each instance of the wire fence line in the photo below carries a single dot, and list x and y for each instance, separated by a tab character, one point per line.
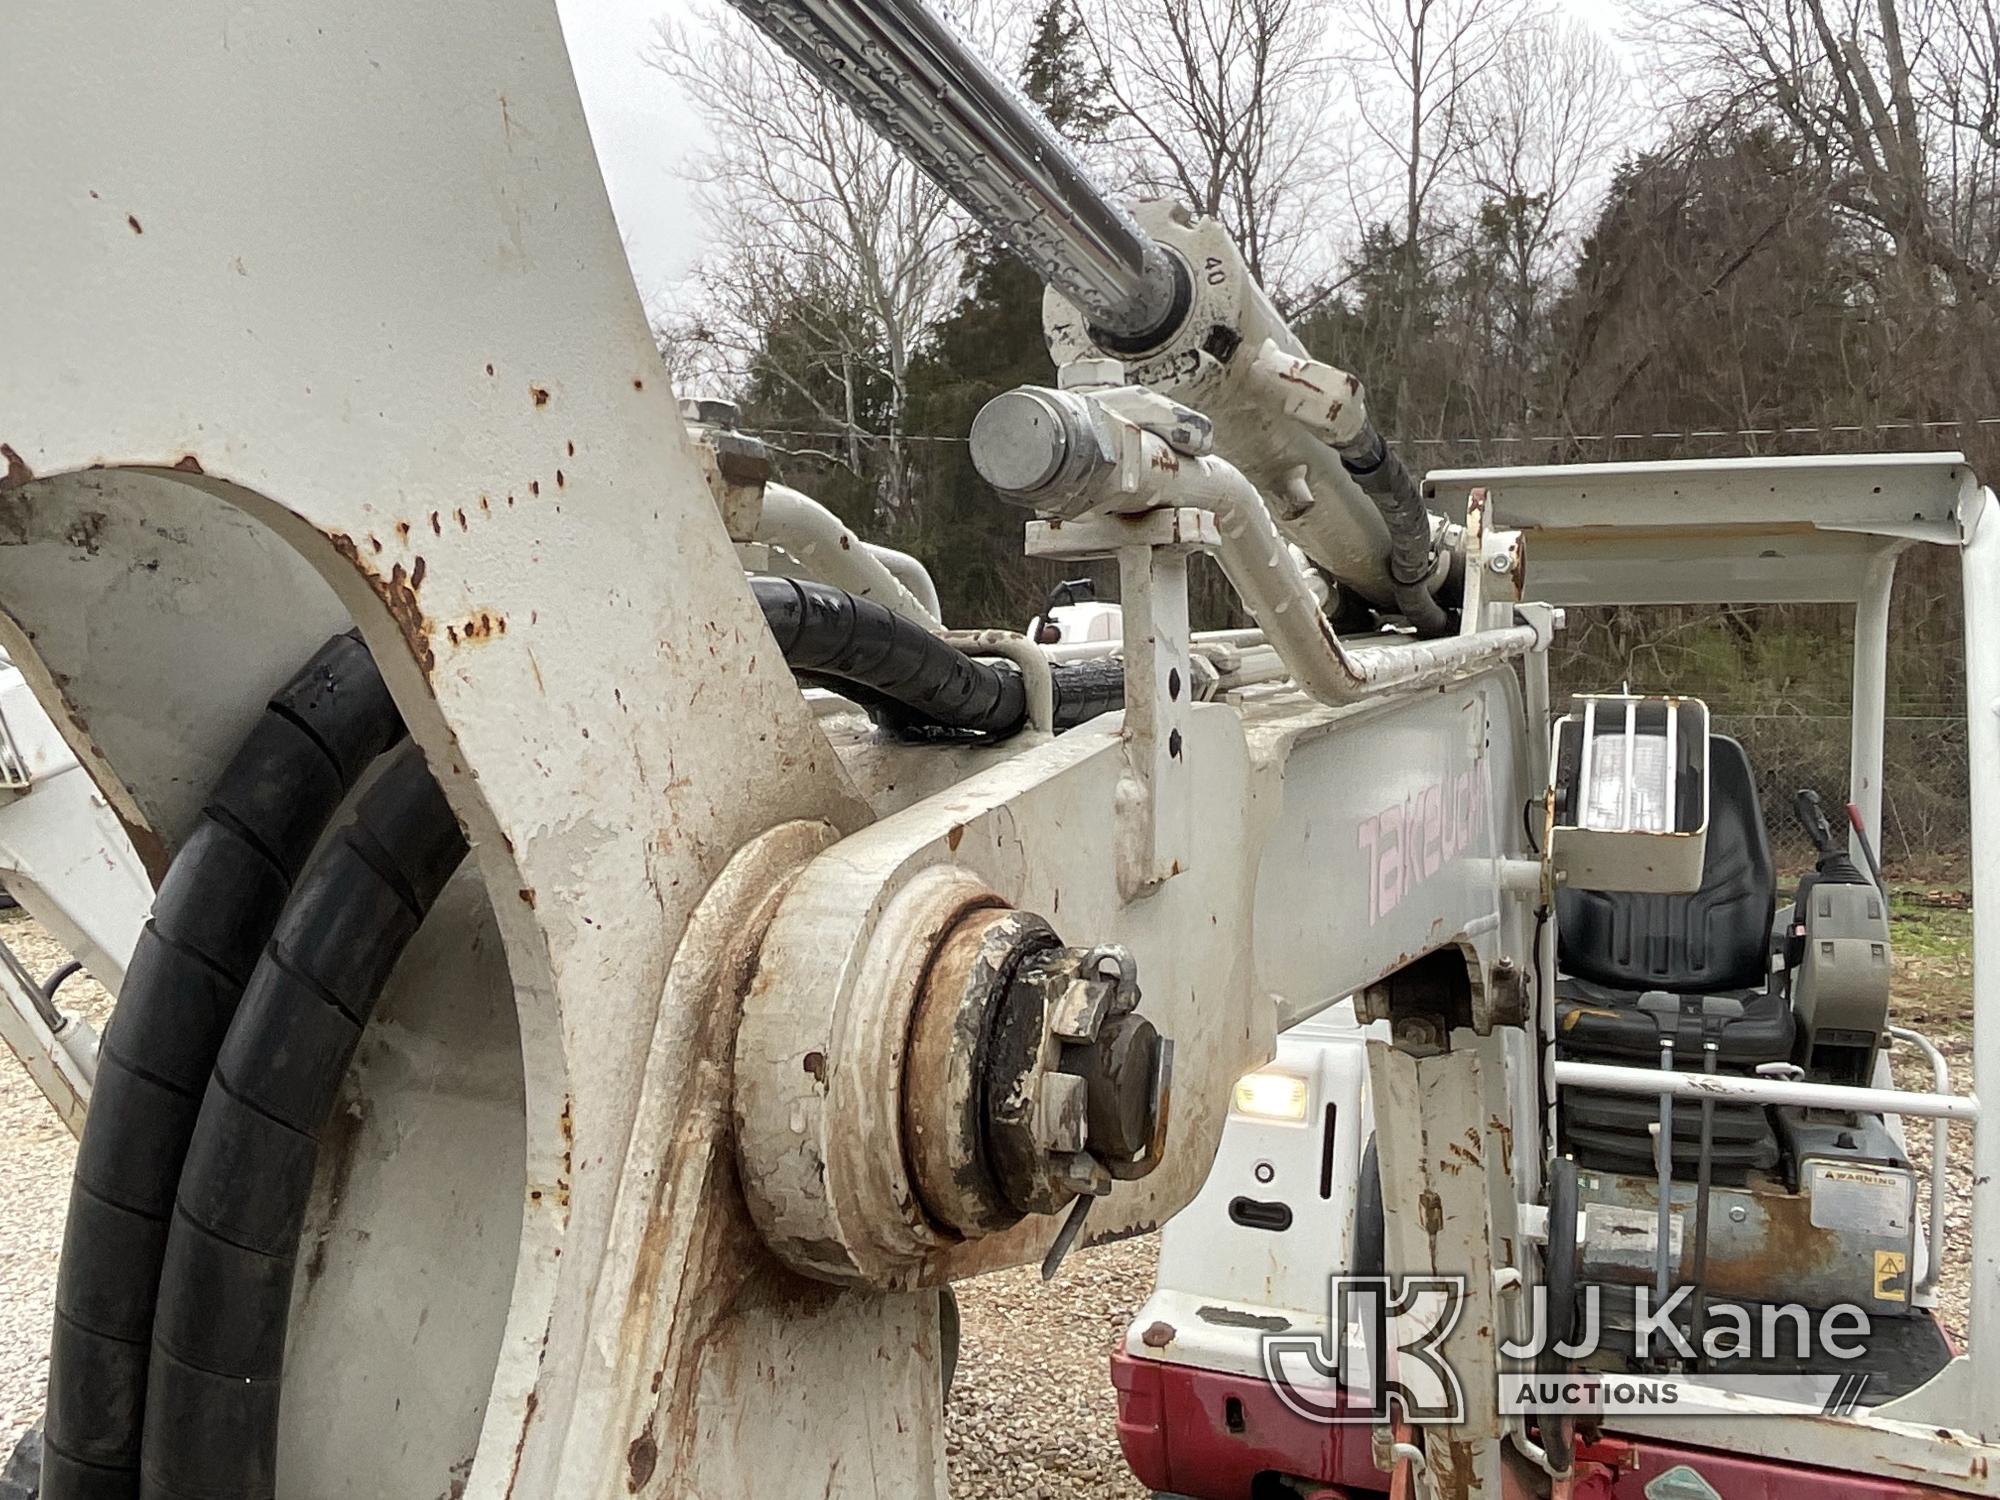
1926	830
1493	440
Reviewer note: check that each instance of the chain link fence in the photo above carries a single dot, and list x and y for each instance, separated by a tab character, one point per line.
1925	832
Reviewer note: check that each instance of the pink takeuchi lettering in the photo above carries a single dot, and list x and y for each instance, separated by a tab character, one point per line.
1409	842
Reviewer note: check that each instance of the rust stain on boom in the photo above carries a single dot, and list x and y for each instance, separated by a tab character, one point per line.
398	594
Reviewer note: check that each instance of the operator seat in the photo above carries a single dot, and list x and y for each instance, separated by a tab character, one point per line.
1613	946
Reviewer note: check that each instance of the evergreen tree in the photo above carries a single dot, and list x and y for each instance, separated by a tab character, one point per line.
806	389
992	342
1060	77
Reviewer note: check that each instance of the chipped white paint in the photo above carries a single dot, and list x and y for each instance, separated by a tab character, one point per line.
347	286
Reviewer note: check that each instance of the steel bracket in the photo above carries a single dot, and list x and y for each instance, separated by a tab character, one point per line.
1155	797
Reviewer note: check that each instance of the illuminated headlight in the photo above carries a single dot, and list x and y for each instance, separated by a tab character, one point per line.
1636	795
1267	1095
1631	794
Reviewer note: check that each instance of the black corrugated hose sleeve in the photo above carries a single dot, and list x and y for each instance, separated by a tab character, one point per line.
211	1428
1387	480
212	916
911	678
828	632
1085	689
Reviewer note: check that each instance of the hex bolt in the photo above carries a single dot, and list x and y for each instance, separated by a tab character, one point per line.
1418	1034
1075	1088
1030	1080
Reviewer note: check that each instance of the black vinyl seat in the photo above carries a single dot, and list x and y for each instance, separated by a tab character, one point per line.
1614	946
1613	1132
1608	1024
1706	942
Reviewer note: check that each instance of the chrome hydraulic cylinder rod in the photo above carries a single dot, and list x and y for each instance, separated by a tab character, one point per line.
913	77
1354	508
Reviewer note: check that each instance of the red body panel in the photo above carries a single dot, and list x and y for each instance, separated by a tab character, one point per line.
1208	1436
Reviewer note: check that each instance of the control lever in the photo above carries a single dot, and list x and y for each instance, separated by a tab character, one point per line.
1832	862
1716	1012
1710	1013
1812	816
1665	1009
1867	849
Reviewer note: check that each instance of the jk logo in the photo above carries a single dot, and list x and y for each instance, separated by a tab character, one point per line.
1385	1362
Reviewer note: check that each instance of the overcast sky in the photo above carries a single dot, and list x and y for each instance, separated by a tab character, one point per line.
645	132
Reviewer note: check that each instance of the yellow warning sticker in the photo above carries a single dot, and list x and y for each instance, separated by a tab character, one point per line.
1890	1268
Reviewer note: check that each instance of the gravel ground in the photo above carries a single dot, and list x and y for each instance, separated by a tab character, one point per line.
1032	1413
1932	940
35	1157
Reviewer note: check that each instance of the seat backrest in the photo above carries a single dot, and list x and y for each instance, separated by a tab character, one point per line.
1717	938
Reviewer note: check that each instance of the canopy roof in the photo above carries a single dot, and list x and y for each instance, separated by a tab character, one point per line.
1719	531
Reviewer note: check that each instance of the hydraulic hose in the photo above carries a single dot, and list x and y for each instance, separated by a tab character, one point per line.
1085	689
218	1347
828	634
213	914
1068	454
1386	479
827	550
909	678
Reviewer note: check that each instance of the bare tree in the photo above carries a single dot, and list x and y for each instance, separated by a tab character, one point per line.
1544	125
1222	103
1972	90
832	256
1969	97
1416	70
1895	99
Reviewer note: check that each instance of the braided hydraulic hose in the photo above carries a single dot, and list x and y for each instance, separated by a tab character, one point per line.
211	918
1085	689
211	1428
909	677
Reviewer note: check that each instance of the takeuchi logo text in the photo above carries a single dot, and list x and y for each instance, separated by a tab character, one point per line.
1408	842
